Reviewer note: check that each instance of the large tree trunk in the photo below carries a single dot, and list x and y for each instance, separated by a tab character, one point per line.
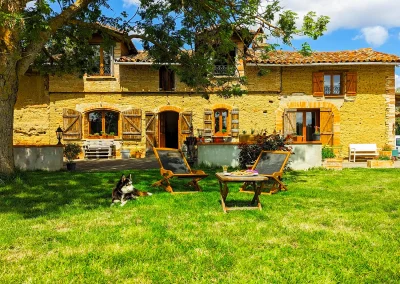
8	97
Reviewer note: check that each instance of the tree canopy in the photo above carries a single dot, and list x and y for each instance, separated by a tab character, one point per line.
53	35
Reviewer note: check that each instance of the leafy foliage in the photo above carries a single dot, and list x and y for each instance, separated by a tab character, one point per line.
72	151
265	142
327	152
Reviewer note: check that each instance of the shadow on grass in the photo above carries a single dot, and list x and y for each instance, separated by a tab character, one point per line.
35	194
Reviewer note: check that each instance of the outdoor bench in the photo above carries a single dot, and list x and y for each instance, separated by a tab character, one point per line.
98	148
362	150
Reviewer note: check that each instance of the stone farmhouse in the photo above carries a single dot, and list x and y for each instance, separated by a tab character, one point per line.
349	96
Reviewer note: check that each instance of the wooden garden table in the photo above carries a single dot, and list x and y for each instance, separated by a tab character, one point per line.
224	190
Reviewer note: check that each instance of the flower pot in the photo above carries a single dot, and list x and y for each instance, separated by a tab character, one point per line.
316	137
244	138
385	153
125	154
138	155
379	163
71	166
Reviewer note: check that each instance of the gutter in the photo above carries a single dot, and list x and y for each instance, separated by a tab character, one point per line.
143	63
324	64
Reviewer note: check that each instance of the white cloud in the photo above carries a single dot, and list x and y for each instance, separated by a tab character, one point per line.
128	3
375	36
350	14
30	4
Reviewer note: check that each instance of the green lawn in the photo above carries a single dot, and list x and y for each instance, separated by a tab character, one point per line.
330	227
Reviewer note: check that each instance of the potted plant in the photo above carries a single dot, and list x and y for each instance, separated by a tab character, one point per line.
381	162
386	151
316	135
329	159
71	152
244	137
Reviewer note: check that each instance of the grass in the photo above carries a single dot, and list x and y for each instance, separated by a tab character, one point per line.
330	227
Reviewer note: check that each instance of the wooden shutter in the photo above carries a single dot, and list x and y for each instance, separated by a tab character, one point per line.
207	132
150	130
72	124
351	84
132	124
318	84
326	126
235	122
289	121
186	125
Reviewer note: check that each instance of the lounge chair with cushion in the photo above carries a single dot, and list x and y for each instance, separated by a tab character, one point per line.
272	165
173	164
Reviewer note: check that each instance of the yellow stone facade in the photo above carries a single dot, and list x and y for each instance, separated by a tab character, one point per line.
367	117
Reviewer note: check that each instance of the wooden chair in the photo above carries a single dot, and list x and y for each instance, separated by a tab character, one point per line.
173	164
270	164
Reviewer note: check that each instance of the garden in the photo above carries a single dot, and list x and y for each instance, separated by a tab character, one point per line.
329	227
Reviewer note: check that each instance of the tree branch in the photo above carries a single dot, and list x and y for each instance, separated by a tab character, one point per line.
55	23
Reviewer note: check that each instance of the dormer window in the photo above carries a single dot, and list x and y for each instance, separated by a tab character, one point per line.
102	61
225	65
167	79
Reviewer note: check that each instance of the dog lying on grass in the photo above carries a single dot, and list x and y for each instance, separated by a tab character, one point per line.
125	190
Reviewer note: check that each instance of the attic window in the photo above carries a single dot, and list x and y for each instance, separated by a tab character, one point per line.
167	79
101	62
225	65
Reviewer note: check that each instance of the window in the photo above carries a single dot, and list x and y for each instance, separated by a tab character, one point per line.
221	120
225	65
307	121
103	121
167	79
102	61
332	84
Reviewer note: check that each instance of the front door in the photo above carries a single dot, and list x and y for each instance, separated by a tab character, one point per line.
168	129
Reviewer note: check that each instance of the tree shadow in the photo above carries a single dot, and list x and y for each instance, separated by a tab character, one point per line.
36	194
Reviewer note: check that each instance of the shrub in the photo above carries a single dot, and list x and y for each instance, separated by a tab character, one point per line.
327	152
72	151
250	152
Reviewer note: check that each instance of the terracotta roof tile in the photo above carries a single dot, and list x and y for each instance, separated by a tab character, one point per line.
293	57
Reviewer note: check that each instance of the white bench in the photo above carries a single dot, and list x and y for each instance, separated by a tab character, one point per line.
362	150
98	148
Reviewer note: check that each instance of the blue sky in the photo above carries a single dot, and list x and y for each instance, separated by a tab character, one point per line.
354	24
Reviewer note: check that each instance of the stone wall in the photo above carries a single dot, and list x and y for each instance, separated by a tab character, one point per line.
365	118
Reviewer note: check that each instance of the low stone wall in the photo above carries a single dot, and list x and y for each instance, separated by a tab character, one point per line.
305	156
32	157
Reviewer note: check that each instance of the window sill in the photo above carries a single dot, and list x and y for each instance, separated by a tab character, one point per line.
334	97
100	78
306	142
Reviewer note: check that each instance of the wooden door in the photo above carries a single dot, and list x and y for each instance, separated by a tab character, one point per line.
161	129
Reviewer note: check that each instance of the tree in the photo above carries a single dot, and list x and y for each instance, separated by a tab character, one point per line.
52	36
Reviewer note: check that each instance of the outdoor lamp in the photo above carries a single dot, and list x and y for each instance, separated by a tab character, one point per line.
59	134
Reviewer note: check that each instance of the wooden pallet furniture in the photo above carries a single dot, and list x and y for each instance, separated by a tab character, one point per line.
98	148
224	190
362	150
173	164
270	164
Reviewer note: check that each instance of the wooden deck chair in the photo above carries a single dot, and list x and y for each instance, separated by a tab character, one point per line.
173	164
271	164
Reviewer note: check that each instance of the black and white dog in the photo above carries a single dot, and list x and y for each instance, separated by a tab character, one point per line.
125	190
